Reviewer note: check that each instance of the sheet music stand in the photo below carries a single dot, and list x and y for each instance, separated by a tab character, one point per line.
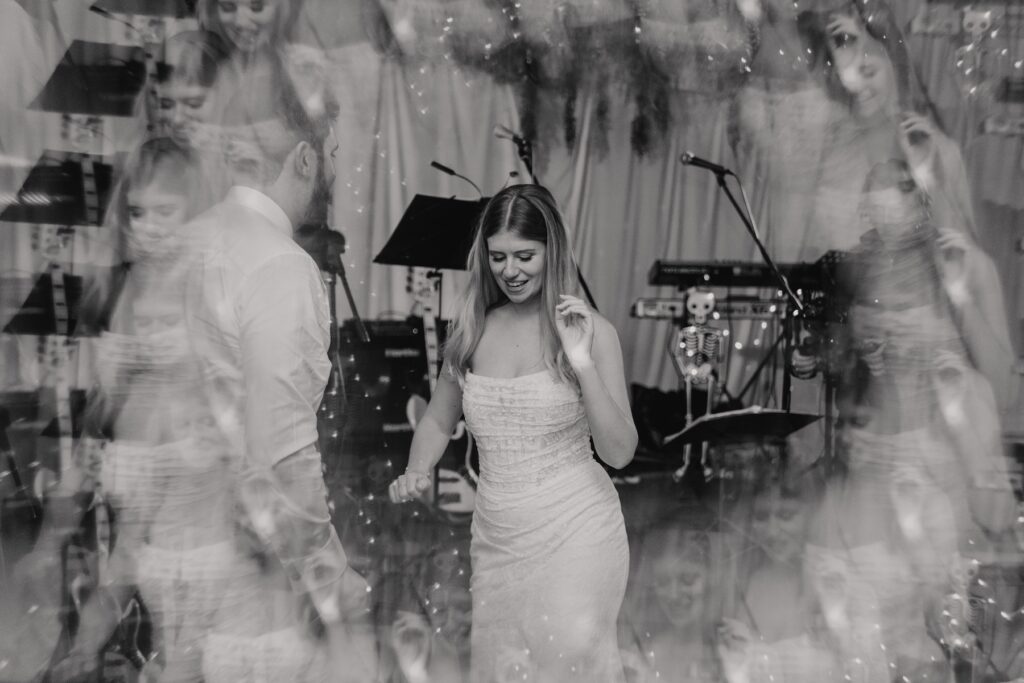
54	191
742	425
36	314
434	232
95	78
178	9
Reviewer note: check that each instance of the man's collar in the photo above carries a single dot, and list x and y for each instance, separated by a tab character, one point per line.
262	204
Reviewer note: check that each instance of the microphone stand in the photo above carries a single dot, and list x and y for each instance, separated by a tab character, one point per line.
791	296
326	247
525	151
749	224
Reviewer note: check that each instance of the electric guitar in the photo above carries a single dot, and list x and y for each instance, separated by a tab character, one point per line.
456	491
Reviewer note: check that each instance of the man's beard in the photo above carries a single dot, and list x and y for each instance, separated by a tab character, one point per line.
320	200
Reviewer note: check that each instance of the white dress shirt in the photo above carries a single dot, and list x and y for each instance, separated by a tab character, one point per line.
259	319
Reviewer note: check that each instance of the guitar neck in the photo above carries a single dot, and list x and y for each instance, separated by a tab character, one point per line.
431	345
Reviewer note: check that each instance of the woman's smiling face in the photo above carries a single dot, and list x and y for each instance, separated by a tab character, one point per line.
517	265
247	23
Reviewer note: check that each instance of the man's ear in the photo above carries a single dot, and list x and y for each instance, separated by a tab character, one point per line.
304	160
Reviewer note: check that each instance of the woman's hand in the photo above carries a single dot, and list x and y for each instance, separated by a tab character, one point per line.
734	638
917	136
842	28
574	322
410	486
955	249
410	640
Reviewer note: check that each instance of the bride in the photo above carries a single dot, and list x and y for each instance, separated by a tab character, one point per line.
537	374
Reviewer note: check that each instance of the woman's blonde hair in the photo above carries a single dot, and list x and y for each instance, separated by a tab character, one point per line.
529	212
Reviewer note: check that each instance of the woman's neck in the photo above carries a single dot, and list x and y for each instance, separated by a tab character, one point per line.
525	309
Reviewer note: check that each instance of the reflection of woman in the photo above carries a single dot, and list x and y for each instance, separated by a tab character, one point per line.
868	72
429	634
921	437
253	32
168	489
667	627
538	374
248	27
184	98
773	628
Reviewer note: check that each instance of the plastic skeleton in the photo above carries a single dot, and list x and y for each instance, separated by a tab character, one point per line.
695	350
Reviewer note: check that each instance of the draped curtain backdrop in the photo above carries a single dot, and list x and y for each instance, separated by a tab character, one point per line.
624	210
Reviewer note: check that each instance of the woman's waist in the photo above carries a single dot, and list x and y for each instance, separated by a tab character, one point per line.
209	559
502	469
552	488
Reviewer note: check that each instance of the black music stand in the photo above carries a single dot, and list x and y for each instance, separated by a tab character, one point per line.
179	9
35	314
746	424
95	78
434	232
53	193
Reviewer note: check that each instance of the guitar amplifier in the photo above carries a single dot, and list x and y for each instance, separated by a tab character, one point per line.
380	377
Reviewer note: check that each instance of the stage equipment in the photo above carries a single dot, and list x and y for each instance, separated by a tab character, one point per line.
695	350
748	221
746	424
728	308
326	247
178	9
436	234
95	78
62	191
524	148
444	169
684	274
63	188
695	345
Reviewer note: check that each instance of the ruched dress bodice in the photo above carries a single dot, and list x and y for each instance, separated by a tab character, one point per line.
549	548
527	428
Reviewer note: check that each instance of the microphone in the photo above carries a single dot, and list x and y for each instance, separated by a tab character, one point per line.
523	147
444	169
690	159
504	133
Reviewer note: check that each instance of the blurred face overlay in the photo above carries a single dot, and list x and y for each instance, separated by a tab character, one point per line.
183	107
155	212
451	608
679	577
247	23
517	265
893	203
779	525
864	70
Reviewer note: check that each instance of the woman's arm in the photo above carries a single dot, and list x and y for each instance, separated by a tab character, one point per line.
975	293
598	366
430	439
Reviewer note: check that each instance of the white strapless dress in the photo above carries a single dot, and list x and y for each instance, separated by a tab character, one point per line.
549	551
